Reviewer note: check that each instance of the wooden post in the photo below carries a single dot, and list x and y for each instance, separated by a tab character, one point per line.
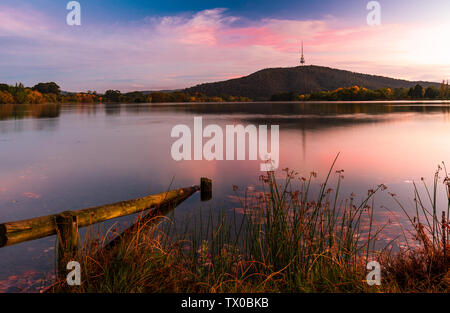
67	230
205	189
3	238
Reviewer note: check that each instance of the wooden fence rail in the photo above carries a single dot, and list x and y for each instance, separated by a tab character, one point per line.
66	224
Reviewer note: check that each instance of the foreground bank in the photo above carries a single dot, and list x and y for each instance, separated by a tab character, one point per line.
283	239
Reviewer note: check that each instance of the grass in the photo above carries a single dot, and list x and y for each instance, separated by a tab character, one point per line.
426	267
288	238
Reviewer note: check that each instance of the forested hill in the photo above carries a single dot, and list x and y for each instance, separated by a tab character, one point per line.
263	84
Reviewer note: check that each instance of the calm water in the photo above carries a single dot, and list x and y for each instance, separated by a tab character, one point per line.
54	159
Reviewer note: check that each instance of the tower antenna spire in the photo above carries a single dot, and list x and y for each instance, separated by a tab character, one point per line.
302	59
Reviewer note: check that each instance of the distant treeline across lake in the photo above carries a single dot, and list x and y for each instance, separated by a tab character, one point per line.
51	93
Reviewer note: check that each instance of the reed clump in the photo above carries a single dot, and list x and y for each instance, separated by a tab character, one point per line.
425	266
290	235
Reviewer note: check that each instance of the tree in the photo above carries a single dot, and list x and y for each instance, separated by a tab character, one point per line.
159	97
6	97
112	96
442	90
385	93
432	92
135	97
45	88
447	93
34	97
179	97
400	93
418	92
19	93
4	87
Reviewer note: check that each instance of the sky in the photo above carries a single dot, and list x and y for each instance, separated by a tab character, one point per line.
171	44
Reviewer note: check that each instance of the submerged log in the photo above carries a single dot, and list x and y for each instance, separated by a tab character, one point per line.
20	231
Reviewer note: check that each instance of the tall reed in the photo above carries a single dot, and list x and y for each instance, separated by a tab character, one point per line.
288	235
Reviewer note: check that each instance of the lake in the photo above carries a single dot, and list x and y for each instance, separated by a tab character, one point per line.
57	158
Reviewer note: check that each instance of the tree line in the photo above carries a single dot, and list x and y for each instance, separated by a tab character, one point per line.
357	93
51	93
43	93
115	96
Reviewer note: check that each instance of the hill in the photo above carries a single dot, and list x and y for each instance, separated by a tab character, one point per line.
262	84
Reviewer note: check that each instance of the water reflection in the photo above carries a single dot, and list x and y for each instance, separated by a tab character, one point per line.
21	111
67	157
296	108
112	109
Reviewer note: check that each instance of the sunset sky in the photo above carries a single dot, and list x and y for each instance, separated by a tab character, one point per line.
153	45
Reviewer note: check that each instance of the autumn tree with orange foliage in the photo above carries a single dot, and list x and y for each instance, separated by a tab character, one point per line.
34	97
6	97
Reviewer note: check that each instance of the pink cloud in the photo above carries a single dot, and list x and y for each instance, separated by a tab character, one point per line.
21	22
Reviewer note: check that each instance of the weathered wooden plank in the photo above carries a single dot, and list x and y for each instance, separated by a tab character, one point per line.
39	227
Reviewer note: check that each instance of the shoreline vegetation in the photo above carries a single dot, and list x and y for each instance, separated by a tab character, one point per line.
290	235
50	93
357	93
